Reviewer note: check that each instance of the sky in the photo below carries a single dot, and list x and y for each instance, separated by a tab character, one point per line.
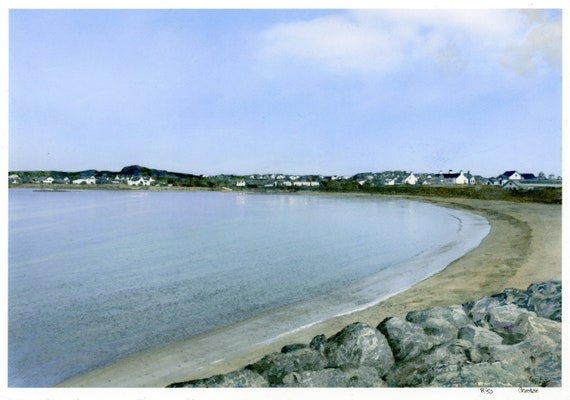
299	91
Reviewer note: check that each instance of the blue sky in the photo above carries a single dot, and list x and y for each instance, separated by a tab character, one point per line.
291	91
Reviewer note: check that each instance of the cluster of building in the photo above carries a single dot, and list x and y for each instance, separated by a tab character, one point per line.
91	180
441	178
514	180
509	180
283	181
389	178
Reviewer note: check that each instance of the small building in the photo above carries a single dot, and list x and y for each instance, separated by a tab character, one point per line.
14	178
532	184
453	178
140	182
509	176
512	185
240	183
515	176
85	181
49	180
411	179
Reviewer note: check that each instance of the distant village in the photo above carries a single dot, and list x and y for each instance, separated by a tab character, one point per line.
141	177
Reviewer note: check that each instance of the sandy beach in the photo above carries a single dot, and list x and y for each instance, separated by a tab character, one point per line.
523	247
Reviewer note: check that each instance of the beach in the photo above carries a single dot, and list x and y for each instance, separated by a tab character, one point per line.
523	247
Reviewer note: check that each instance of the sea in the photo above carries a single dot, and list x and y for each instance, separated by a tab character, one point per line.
97	275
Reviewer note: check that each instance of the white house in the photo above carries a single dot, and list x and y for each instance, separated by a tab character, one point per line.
515	176
529	184
453	178
461	179
301	183
240	183
305	184
140	182
87	181
510	175
14	178
49	180
512	185
411	179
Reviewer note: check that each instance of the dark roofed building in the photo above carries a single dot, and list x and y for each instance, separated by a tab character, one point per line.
510	175
454	178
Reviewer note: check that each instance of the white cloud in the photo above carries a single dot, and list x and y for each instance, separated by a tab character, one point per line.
340	42
385	40
542	45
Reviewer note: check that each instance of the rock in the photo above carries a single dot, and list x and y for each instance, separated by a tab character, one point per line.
293	347
515	324
517	297
318	342
440	330
274	367
477	310
539	355
480	337
511	338
440	324
546	299
407	340
335	377
359	345
235	379
421	370
482	374
454	314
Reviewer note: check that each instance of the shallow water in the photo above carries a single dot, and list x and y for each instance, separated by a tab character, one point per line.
97	275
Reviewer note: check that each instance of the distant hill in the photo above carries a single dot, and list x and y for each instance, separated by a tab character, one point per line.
161	177
137	170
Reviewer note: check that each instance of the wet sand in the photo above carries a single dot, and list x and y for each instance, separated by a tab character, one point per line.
523	247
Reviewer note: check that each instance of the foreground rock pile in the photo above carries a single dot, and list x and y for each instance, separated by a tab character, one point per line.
509	339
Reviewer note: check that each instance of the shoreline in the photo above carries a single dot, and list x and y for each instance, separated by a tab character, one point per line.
523	246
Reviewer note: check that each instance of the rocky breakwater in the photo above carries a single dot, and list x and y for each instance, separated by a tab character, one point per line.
510	339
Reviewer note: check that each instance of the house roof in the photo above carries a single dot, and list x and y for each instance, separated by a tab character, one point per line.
452	175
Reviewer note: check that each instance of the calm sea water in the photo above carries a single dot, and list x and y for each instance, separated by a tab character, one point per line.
96	275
